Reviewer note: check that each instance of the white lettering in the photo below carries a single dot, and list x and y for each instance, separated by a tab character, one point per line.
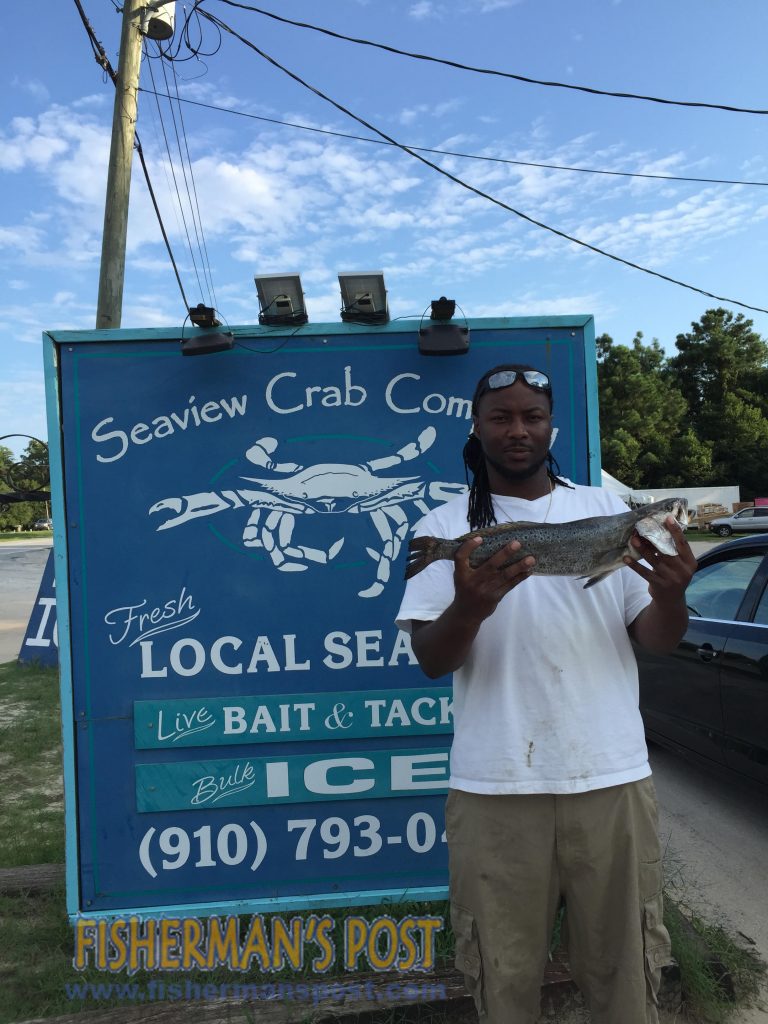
335	644
402	645
434	403
40	639
316	776
262	651
234	721
291	665
367	641
388	394
404	771
329	396
270	390
216	660
99	438
147	669
198	652
163	426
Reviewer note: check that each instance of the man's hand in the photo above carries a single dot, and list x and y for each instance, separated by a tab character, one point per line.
660	626
668	575
479	590
443	645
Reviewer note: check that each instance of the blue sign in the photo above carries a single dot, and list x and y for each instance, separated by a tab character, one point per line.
41	640
249	727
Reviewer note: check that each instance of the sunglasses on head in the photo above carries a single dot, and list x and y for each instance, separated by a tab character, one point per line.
533	378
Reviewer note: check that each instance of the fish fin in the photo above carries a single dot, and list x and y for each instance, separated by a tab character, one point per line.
596	579
421	551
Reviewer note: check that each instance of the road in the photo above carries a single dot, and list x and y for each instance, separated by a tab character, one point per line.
714	831
714	828
21	568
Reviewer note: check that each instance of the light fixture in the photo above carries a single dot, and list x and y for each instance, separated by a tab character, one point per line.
208	340
443	338
157	19
363	297
203	316
281	299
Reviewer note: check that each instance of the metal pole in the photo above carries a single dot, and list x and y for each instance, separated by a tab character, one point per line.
112	272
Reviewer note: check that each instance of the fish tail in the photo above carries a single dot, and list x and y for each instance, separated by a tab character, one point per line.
421	551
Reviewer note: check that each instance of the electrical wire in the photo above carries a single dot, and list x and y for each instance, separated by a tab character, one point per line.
204	253
173	172
489	71
103	61
472	188
182	37
466	156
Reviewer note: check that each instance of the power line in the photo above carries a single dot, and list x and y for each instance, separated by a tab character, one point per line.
487	71
173	173
464	184
464	156
204	252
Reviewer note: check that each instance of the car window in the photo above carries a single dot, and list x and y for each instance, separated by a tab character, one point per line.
748	513
761	613
717	590
760	513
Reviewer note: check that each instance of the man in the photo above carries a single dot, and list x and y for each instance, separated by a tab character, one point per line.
550	794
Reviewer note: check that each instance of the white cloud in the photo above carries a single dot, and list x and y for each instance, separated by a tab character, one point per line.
490	6
423	9
33	86
22	406
540	304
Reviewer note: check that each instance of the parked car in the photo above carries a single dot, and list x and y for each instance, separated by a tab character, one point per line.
42	524
709	699
747	520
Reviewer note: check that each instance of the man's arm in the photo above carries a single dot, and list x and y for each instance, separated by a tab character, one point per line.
661	624
443	645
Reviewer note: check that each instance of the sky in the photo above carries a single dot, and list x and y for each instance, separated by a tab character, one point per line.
274	197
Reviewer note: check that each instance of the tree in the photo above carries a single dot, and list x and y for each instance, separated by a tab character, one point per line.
721	354
722	369
642	414
24	486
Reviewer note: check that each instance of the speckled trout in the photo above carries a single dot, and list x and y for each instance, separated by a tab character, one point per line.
590	549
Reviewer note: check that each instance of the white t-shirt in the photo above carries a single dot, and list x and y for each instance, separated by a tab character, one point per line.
547	700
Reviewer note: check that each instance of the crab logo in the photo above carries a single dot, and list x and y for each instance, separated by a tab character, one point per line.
328	488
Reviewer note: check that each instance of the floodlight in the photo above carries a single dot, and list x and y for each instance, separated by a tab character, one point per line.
205	340
203	316
442	308
281	299
363	297
443	338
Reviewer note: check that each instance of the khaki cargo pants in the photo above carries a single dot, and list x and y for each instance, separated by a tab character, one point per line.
512	859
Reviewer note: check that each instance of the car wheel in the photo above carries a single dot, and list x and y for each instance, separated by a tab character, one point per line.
723	531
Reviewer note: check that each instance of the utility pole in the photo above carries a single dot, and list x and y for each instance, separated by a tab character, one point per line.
112	272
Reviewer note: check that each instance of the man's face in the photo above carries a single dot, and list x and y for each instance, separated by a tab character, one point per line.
513	425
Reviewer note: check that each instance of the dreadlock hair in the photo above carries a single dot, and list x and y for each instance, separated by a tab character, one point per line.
480	511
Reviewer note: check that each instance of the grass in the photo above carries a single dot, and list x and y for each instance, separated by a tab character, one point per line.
36	939
705	997
31	811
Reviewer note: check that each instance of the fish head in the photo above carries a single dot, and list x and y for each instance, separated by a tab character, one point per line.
651	523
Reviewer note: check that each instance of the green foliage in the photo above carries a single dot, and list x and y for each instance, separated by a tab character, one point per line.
694	419
30	472
32	813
